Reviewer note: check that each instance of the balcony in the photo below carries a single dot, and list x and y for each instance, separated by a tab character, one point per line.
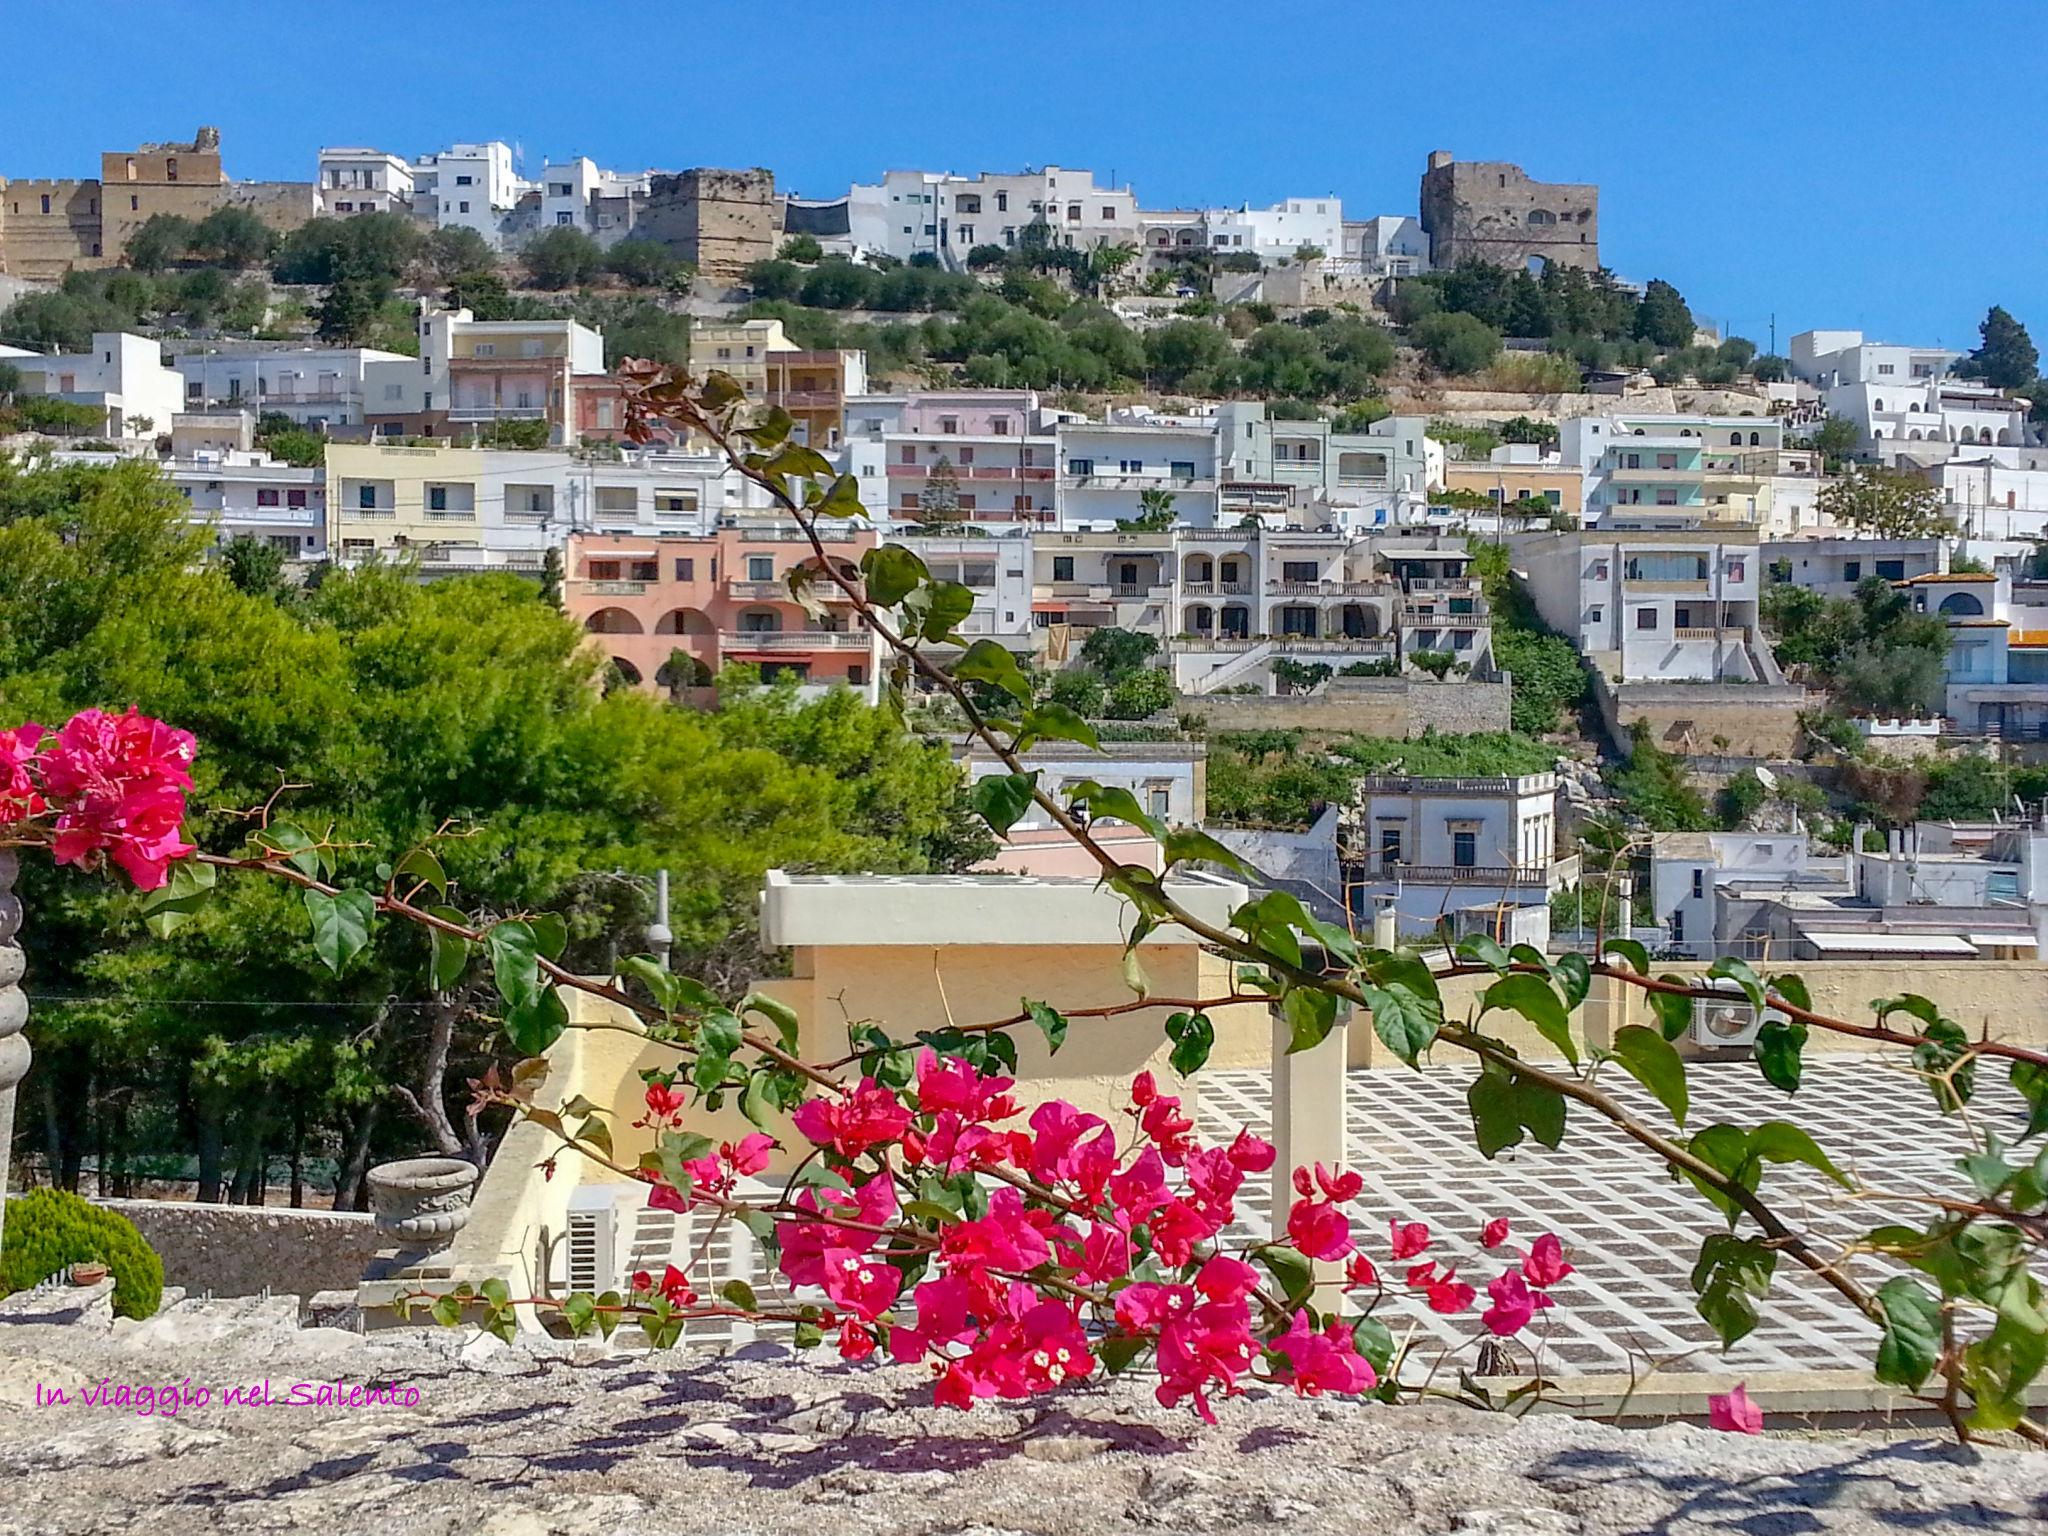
1644	475
1120	482
1216	589
616	588
758	589
796	640
497	413
806	399
1328	589
1562	872
1731	633
1694	588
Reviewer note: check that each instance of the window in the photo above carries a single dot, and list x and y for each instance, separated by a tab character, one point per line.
437	498
949	425
486	349
1736	569
1678	927
1669	567
647	570
1464	848
171	168
1131	466
531	348
565	218
465	181
966	455
1852	570
1390	845
1003	203
999	426
1157	798
1646	618
266	498
760	567
1081	467
1062	567
1892	570
1667	461
1183	469
909	453
1298	570
686	569
1884	368
295	498
1699	884
1596	614
1667	497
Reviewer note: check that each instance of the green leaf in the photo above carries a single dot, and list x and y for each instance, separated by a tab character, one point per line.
796	459
1118	1350
771	430
447	1311
840	499
1496	1123
1535	1000
741	1295
1946	1059
662	984
341	924
1724	1148
1731	1271
1311	1014
1485	950
1055	722
755	1102
2030	1082
1792	990
1780	1141
1632	951
495	1291
607	1312
578	1311
1184	844
1405	1021
1912	1332
1987	1171
1541	1108
987	662
178	900
447	959
1778	1047
1051	1023
1114	803
1002	799
948	606
788	1027
892	572
1728	968
597	1133
1673	1009
1530	955
1649	1058
1574	979
1372	1339
291	840
515	960
1193	1037
536	1023
550	933
1294	1272
808	1336
422	867
1998	1369
1134	973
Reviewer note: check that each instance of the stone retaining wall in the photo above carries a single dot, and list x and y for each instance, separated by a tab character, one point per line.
1371	706
237	1250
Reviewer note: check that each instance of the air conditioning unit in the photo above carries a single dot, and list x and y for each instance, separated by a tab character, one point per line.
1728	1021
593	1244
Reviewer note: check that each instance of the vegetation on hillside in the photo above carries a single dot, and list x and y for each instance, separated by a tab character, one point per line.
1549	674
1282	778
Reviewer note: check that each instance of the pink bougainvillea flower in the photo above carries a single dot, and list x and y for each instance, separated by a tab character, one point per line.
642	1282
1545	1266
1057	1154
1420	1275
1168	1129
1360	1271
1004	1239
1143	1089
1494	1233
951	1083
1140	1189
1178	1226
665	1102
675	1285
118	783
942	1319
855	1342
1105	1255
1322	1362
870	1116
1734	1412
1513	1304
1149	1304
1448	1294
861	1285
1252	1154
1409	1240
19	756
803	1243
1319	1230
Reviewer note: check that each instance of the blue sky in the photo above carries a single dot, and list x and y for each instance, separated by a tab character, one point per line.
1863	164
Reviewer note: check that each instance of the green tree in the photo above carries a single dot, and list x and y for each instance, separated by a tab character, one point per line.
232	236
1662	316
1457	343
1139	695
350	309
1182	350
803	248
482	292
775	279
458	248
2005	359
938	502
644	263
1116	653
1155	512
986	258
254	566
162	241
1080	689
1889	503
1835	439
562	258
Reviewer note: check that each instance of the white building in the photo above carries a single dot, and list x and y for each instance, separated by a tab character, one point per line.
999	447
1929	421
1681	466
1996	495
1692	874
353	180
248	494
996	569
1829	359
1390	245
1662	604
1835	567
315	386
1106	467
1476	854
909	212
1278	233
577	194
471	186
123	377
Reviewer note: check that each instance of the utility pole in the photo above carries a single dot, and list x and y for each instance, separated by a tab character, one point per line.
660	938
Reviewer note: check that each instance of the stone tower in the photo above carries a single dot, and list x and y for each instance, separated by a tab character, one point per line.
1489	210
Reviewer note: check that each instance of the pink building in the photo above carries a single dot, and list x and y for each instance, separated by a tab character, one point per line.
1000	455
720	597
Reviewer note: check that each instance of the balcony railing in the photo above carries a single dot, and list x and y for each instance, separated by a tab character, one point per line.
806	399
1644	584
757	588
617	588
1118	482
497	413
796	640
1472	874
1217	589
1329	588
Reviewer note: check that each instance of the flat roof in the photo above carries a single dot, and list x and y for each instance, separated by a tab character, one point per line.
1938	577
939	911
1890	943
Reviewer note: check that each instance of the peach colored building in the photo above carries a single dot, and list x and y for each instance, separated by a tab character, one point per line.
718	597
812	387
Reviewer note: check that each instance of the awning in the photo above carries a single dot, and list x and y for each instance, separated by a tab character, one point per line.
2004	940
1890	943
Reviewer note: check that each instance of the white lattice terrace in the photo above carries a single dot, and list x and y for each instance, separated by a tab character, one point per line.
1632	1231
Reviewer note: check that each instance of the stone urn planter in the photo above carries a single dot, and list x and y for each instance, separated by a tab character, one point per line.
420	1203
88	1274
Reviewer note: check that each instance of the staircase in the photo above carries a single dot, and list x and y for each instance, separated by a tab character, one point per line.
1251	665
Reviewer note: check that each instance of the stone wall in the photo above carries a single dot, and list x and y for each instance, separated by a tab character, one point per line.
282	205
723	221
1481	407
237	1250
1754	719
1371	706
35	244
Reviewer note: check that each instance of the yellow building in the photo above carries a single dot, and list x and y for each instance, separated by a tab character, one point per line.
381	501
740	348
1563	486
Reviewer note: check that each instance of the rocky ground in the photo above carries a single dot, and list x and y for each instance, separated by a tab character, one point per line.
512	1441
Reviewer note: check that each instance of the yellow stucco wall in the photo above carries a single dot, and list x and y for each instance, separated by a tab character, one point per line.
410	471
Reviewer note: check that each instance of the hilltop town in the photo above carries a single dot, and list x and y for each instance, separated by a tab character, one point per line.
1255	651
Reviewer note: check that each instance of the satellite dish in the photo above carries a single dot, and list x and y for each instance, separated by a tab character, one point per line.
1765	777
